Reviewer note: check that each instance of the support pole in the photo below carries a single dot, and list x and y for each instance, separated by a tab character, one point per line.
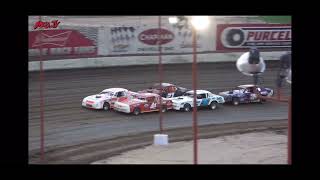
41	101
194	82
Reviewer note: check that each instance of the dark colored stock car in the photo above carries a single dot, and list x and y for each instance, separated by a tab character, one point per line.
246	94
167	90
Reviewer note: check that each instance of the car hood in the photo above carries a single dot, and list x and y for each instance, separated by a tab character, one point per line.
182	99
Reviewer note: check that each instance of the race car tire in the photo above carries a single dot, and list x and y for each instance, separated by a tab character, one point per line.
106	106
136	111
235	101
262	101
271	94
213	105
164	109
187	107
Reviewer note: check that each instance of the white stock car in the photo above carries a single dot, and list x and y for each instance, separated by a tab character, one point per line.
204	99
105	99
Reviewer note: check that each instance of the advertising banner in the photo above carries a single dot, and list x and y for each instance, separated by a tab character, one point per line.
60	43
144	40
241	36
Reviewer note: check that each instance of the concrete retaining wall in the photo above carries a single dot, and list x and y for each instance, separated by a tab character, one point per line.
142	60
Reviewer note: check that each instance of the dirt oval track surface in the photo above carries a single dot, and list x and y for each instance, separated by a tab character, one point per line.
67	123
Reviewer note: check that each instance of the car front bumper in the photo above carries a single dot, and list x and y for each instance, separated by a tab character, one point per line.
91	106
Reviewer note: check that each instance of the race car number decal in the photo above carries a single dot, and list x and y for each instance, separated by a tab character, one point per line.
170	95
253	97
153	106
199	102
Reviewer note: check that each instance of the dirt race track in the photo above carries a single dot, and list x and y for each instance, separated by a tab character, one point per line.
68	125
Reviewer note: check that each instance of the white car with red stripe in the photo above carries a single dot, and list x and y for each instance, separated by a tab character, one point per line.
105	99
143	102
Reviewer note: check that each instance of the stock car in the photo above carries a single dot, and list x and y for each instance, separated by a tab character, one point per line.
246	94
167	90
141	103
204	99
105	99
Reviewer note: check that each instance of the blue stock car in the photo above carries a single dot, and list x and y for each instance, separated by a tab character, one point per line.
246	94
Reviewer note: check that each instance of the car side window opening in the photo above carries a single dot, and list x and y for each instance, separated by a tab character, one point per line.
189	94
201	96
120	94
251	89
142	98
150	99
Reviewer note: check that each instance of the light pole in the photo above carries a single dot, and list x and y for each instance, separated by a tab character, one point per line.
197	23
160	73
194	85
41	100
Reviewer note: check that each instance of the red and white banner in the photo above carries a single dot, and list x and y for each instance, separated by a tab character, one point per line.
60	43
242	36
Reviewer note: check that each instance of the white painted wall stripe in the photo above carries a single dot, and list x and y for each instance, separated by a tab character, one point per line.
143	60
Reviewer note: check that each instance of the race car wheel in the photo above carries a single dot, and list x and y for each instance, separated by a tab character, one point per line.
213	105
235	101
106	106
187	107
262	101
136	111
164	109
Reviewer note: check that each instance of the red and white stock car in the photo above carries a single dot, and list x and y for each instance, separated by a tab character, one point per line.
106	99
141	103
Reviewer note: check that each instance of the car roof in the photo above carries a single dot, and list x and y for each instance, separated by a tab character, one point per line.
163	84
115	89
247	86
199	91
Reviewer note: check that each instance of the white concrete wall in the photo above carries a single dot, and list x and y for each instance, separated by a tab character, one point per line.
143	60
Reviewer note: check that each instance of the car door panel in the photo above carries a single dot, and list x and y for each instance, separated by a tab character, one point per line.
205	102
